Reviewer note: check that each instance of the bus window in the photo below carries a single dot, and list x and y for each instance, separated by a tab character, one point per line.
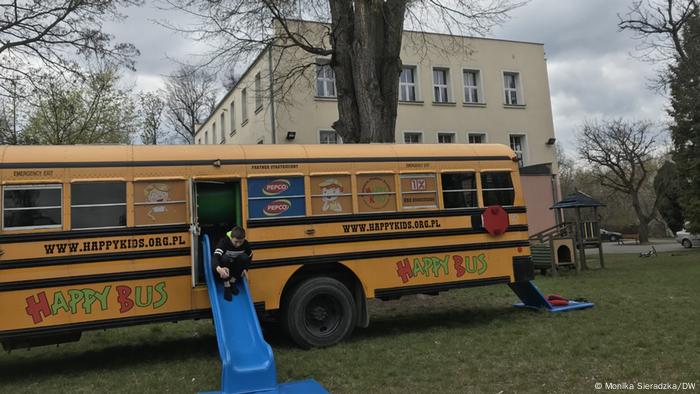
459	190
376	193
418	191
98	204
497	188
32	206
331	194
159	202
274	197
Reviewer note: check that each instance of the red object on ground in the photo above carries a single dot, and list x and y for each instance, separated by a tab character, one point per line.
557	300
495	220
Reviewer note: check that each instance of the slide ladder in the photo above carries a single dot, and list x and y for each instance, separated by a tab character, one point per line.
248	364
532	298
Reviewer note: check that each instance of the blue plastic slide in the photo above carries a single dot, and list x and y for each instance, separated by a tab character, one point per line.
532	298
247	361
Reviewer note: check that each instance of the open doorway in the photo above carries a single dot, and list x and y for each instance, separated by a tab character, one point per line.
218	209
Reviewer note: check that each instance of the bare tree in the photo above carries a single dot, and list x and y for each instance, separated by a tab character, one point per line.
622	158
151	107
190	97
50	33
360	39
659	26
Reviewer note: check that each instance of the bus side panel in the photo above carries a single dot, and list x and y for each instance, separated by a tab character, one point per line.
53	306
431	272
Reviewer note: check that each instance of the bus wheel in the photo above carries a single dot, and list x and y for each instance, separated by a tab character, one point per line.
319	312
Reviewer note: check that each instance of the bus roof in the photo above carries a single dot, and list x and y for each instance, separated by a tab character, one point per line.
36	155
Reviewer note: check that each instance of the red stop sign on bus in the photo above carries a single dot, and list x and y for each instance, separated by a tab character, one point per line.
495	220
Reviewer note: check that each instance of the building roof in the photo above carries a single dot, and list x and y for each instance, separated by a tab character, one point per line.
577	200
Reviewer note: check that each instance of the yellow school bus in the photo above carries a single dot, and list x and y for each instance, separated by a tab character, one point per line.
105	236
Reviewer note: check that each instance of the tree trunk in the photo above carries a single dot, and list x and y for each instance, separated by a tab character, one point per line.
367	65
643	220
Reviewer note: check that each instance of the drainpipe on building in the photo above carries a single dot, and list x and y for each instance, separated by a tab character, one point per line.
272	98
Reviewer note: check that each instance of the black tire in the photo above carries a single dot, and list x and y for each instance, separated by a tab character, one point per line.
687	244
319	312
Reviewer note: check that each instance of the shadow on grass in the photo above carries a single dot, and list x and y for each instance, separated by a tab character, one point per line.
113	357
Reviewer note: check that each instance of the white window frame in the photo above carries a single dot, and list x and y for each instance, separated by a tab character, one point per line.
258	92
420	133
408	85
222	121
32	186
232	117
325	79
445	86
523	160
519	96
318	134
478	87
244	106
481	133
452	133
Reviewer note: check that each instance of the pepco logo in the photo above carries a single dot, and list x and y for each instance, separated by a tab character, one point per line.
278	186
277	207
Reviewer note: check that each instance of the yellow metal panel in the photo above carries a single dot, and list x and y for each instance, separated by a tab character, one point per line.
34	308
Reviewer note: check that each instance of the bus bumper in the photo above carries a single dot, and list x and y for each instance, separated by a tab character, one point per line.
523	269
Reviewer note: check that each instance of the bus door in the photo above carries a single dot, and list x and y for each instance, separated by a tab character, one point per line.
216	209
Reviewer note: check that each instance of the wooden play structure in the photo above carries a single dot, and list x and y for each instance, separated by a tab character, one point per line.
564	245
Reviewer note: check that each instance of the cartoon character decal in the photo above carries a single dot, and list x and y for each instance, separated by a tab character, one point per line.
157	192
330	190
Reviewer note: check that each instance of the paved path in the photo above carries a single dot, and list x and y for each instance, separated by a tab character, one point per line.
661	245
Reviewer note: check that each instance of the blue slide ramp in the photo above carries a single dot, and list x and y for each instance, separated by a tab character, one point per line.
248	365
532	298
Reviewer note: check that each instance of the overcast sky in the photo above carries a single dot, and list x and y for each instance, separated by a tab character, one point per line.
592	74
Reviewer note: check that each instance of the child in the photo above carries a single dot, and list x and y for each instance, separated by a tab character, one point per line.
232	258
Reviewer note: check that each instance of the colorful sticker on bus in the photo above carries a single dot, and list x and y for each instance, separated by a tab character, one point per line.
276	197
432	266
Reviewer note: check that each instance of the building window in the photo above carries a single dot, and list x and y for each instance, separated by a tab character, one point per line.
497	188
206	137
472	83
98	205
459	190
325	80
232	117
446	138
160	202
32	206
258	92
244	106
440	84
407	84
222	120
213	133
329	137
199	141
412	137
331	194
476	138
512	88
261	141
418	191
517	143
376	193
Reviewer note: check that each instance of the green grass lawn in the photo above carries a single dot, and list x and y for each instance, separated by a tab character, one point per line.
645	328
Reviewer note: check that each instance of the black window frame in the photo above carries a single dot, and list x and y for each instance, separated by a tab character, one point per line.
33	186
98	205
484	190
474	191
